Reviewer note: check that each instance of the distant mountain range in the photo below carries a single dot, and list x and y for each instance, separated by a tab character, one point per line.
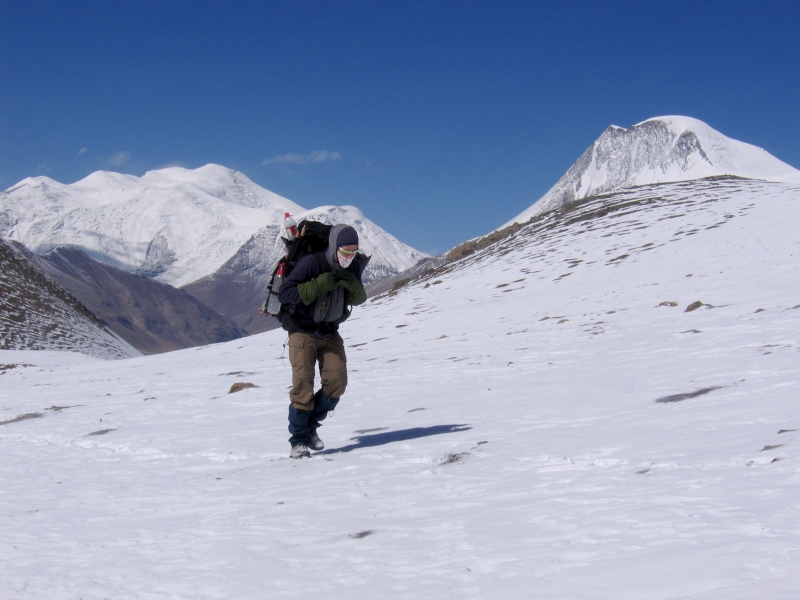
117	240
659	150
120	243
175	225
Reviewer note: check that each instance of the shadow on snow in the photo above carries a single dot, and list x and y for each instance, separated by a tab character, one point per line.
387	437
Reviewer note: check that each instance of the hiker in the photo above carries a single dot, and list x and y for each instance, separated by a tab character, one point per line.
316	295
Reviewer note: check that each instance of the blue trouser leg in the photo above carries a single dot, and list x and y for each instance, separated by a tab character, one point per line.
322	405
302	423
299	425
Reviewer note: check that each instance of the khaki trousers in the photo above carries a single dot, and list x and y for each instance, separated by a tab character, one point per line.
305	350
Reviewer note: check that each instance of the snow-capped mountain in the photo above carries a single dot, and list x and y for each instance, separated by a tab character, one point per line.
175	225
38	314
237	289
659	150
602	404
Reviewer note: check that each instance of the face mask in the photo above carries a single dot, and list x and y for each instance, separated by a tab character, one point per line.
344	261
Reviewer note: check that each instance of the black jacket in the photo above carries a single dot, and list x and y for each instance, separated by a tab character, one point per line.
298	316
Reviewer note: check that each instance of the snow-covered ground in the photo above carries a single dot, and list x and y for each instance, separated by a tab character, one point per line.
534	421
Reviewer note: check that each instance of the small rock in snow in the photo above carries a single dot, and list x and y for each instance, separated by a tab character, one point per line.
241	385
765	448
22	418
361	534
101	432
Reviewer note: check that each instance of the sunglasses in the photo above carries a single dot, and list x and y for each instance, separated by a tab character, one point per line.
346	252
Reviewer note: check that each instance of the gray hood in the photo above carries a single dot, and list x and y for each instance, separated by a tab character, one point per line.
330	253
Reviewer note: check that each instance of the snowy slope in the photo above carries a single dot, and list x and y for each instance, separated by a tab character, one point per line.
659	150
38	314
174	224
540	419
237	289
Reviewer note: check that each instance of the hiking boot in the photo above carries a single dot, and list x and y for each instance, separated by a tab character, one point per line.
315	443
300	451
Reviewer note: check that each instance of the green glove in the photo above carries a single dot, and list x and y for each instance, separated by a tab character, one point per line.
348	281
356	294
311	290
357	297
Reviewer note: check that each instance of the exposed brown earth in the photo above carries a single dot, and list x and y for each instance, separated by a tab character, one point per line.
151	316
38	314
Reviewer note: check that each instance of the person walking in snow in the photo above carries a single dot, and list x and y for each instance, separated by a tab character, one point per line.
317	294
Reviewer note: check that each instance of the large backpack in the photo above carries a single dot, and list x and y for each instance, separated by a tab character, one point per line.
312	238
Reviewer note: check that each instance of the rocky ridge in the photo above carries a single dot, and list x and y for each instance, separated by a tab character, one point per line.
38	314
151	316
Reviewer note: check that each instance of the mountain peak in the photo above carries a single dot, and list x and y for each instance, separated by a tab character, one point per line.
658	150
178	173
40	182
678	122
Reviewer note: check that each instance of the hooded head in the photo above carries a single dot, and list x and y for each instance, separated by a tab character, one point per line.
341	235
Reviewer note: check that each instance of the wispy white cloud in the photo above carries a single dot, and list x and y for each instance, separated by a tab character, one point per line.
83	151
120	158
314	157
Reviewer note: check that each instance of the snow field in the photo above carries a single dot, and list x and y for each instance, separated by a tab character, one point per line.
501	436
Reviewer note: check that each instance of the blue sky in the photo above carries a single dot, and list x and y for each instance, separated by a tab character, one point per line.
440	120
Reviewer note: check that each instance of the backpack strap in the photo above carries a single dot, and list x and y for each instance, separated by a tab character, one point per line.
324	265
